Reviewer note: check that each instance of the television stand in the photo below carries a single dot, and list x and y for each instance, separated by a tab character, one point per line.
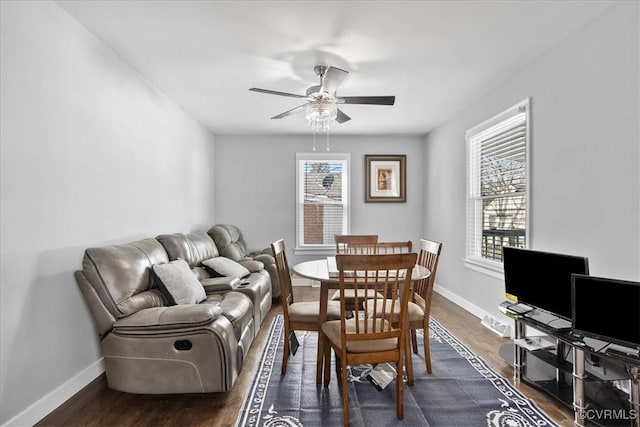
602	387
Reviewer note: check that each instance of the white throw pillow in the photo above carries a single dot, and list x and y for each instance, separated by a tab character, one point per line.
178	283
252	265
225	267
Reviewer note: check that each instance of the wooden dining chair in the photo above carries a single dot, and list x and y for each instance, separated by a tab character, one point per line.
356	244
298	316
420	304
369	338
419	307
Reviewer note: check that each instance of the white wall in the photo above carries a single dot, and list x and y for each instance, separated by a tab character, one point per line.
256	184
585	158
91	154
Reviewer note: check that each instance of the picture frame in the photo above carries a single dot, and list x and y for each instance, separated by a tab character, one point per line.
385	178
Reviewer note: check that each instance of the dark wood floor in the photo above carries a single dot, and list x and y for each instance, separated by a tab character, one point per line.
96	405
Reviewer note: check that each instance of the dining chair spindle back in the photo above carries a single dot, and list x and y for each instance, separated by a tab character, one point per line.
394	247
420	304
298	316
356	244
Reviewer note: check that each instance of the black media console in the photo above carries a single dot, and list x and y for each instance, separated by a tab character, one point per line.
597	379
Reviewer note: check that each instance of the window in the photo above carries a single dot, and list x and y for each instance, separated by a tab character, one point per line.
322	201
497	187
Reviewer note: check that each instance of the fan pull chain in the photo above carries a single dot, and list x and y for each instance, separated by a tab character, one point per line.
314	140
327	139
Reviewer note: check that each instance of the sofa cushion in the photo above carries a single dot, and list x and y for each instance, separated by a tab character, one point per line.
193	247
159	319
178	283
225	267
237	308
229	241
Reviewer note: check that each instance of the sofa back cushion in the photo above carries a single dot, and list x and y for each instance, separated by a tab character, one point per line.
228	238
193	247
121	275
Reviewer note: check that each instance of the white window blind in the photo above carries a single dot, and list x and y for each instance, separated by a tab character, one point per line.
498	186
322	200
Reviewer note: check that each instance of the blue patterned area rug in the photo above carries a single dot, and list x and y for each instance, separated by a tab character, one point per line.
461	391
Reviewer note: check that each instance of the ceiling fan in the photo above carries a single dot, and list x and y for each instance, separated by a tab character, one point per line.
322	101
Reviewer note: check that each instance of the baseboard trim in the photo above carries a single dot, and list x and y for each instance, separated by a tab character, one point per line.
458	300
469	306
47	404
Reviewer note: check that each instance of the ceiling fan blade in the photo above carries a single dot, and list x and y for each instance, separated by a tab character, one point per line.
275	92
289	112
342	117
377	100
333	77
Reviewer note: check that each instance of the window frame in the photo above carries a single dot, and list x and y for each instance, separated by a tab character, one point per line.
473	257
327	248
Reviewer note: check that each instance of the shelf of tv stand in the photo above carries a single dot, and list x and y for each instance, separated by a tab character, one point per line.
550	358
542	368
562	392
612	398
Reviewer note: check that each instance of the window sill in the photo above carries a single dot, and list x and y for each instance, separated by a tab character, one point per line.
493	269
315	251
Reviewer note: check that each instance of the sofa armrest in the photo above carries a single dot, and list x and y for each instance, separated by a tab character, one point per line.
220	284
164	319
255	252
103	318
266	259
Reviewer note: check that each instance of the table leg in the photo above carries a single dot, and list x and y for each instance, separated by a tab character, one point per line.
324	296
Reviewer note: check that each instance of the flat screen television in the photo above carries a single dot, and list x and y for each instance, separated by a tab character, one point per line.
542	279
606	309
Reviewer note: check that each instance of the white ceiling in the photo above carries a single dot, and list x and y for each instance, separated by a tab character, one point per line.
434	56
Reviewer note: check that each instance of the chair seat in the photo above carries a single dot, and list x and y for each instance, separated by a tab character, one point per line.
331	330
415	312
416	315
309	312
349	295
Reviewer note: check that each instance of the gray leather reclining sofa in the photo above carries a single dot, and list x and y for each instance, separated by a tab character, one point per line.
153	347
231	244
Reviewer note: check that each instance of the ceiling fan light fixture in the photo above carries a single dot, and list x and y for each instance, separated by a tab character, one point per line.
321	114
321	109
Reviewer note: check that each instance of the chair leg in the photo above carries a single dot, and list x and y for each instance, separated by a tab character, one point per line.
286	350
345	392
427	351
320	356
409	361
399	392
327	365
414	341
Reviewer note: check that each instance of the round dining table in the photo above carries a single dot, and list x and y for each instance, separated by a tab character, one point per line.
323	270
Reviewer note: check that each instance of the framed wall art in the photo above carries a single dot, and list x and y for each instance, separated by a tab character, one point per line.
385	178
